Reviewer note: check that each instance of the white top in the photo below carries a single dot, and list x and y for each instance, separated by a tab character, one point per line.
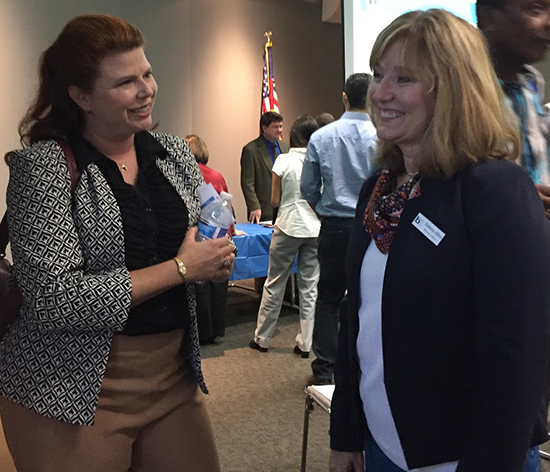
295	217
371	361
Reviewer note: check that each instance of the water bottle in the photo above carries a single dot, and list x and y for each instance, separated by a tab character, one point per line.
215	218
226	199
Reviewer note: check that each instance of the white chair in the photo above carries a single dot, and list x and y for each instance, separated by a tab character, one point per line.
320	395
545	455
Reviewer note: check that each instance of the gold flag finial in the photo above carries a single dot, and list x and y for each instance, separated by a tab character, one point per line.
268	38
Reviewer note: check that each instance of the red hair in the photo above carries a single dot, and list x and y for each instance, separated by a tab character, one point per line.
73	59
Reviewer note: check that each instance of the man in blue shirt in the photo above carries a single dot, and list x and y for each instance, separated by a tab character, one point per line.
518	33
337	163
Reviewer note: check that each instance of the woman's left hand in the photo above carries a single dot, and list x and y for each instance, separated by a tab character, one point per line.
227	268
206	260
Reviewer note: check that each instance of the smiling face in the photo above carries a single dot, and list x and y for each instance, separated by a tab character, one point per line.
273	132
521	29
122	98
402	99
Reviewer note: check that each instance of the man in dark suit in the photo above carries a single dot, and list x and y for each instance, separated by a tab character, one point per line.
257	160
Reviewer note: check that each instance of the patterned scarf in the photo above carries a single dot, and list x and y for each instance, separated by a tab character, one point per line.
385	207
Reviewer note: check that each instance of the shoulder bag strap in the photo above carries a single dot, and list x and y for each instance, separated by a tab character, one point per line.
4	237
74	171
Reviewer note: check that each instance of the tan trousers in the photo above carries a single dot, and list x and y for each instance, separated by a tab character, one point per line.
151	417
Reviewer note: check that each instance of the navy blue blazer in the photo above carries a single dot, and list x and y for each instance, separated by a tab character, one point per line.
465	324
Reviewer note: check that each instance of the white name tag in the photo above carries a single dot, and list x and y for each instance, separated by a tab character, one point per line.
428	229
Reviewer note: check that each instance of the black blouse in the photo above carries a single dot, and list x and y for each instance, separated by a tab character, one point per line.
155	221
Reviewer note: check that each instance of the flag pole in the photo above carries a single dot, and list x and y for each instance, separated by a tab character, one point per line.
268	44
270	102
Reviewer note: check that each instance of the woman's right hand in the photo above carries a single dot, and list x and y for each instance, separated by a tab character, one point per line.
205	260
544	194
346	461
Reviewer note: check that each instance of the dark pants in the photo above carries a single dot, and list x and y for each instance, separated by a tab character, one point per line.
333	247
211	307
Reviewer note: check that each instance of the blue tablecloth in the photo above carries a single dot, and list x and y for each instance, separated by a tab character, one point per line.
253	258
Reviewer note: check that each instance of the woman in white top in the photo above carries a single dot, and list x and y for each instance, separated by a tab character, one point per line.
296	231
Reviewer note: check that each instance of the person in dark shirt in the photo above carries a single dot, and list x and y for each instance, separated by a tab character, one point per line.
101	371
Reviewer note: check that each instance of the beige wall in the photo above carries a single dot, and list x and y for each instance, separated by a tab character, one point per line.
207	59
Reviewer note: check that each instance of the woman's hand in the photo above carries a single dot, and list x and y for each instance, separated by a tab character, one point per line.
544	194
206	260
346	462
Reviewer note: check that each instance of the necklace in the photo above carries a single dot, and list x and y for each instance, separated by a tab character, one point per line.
411	174
123	168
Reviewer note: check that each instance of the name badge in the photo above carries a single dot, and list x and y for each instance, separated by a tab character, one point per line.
428	229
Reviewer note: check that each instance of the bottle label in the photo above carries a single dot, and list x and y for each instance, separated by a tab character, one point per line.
207	202
210	231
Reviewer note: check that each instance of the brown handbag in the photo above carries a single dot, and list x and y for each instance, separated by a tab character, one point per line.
11	298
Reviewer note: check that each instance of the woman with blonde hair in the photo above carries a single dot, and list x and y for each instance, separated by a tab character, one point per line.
443	352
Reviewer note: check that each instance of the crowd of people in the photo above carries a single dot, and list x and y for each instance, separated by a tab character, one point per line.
419	219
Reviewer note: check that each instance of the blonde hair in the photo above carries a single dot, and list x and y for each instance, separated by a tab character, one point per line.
472	120
198	148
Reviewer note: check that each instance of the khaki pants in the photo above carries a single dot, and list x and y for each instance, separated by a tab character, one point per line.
282	252
151	417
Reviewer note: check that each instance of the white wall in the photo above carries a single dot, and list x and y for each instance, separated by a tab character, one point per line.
206	57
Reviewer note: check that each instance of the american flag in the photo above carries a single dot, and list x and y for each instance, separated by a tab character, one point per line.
270	102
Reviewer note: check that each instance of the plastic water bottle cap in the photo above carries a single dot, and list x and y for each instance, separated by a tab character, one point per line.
226	196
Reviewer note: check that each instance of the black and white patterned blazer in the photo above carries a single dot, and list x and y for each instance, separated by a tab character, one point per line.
69	261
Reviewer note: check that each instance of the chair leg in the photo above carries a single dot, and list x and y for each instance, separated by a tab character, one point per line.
307	412
544	455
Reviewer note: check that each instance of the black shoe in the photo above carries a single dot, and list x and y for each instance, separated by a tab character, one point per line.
303	354
314	380
254	345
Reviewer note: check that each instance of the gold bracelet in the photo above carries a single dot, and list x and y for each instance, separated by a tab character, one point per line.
181	269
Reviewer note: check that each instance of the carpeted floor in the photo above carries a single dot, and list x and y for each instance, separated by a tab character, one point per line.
257	400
